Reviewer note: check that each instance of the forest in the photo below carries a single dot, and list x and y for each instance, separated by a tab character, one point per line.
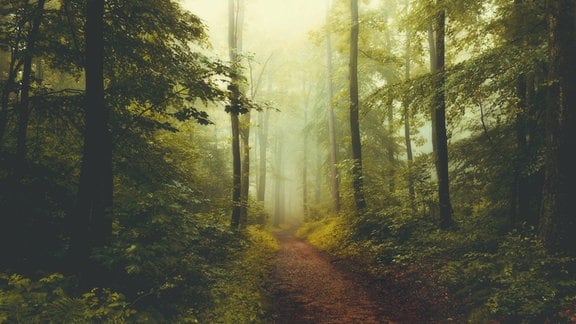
176	161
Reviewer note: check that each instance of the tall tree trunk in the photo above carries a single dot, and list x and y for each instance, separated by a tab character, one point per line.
334	177
94	206
318	180
234	110
357	182
520	203
236	171
279	184
439	133
244	126
390	147
557	221
24	107
407	136
263	117
245	158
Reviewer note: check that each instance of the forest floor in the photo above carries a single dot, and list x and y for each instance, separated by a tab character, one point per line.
309	286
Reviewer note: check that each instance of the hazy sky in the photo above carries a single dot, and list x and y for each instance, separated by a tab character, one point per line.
285	20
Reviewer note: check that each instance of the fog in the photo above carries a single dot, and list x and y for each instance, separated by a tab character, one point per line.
284	59
280	58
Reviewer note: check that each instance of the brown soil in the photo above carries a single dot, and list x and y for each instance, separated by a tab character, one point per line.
307	287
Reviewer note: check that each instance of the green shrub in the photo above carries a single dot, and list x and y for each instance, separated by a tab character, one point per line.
237	294
530	284
23	300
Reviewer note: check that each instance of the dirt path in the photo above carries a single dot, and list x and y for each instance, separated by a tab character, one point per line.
308	288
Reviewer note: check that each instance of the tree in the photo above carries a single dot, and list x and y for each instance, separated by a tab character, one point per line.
439	134
334	178
357	181
24	108
279	186
235	109
524	125
244	124
557	221
263	118
93	224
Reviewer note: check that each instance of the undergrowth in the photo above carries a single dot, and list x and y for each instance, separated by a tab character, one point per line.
235	293
487	276
238	296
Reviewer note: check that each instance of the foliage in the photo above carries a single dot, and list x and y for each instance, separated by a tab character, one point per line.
238	296
45	300
326	233
257	213
519	282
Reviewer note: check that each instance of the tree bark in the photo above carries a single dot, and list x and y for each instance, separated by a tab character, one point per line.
520	203
93	221
234	110
244	125
439	133
357	180
557	221
390	147
279	184
407	136
520	206
263	141
236	171
245	167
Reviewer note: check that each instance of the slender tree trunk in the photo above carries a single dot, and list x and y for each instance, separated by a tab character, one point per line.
244	127
236	171
234	110
439	133
93	223
520	202
24	107
334	177
279	184
245	181
557	221
263	140
318	180
407	136
357	181
390	147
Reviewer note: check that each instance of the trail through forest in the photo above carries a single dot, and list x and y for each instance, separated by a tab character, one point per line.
307	287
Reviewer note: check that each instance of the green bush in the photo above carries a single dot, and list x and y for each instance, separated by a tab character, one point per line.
237	294
23	300
530	284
